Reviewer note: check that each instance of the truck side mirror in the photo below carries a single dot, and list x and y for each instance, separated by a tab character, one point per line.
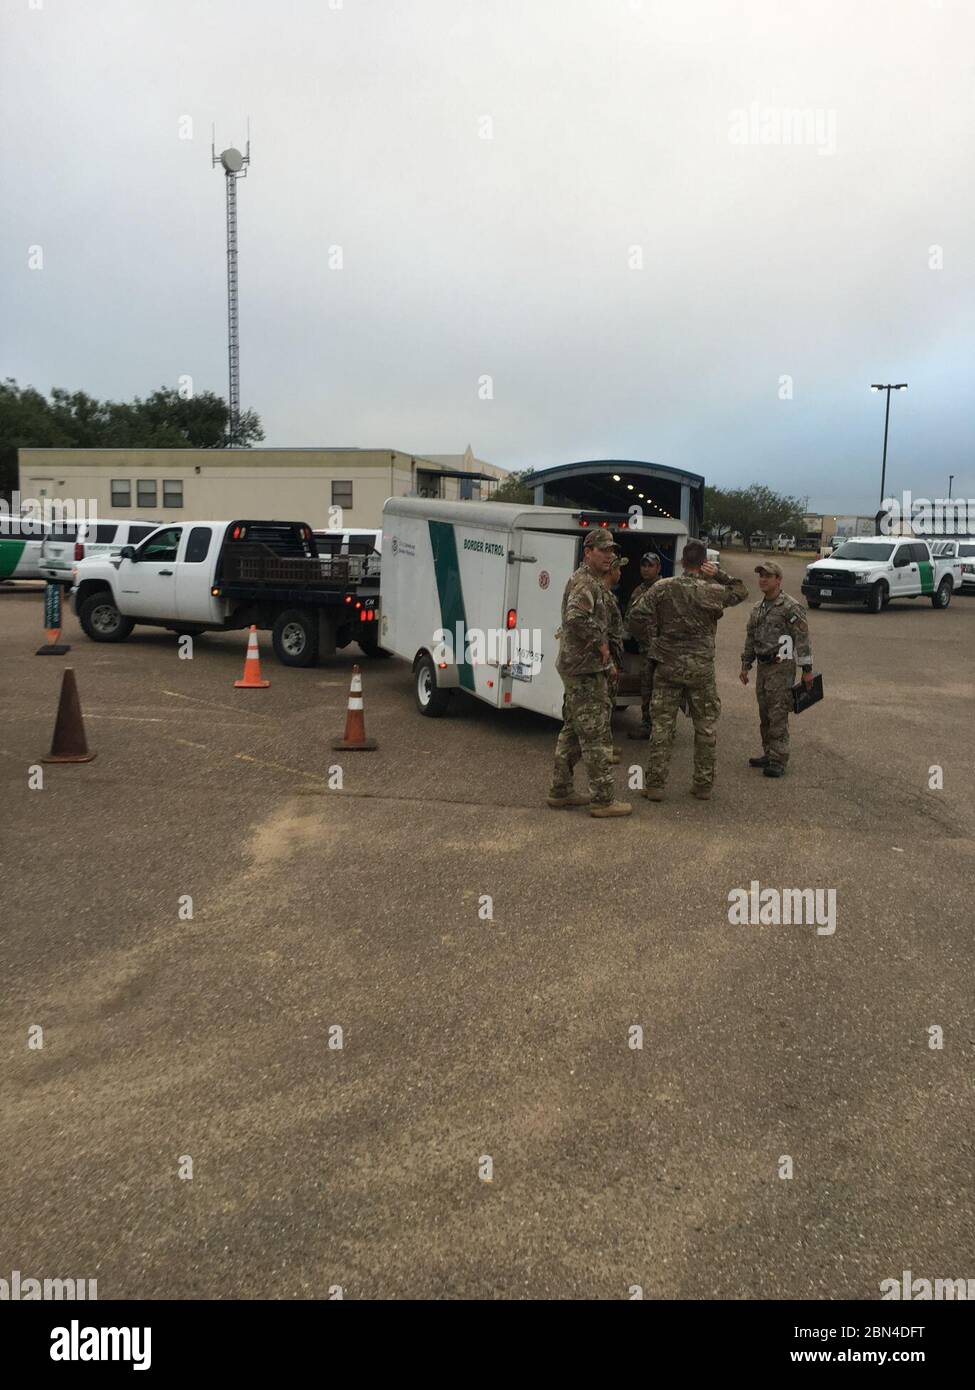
127	552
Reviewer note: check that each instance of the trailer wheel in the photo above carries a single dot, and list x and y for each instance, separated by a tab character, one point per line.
942	597
813	602
295	637
430	700
100	619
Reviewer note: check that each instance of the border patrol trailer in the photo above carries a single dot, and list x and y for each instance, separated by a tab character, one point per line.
479	570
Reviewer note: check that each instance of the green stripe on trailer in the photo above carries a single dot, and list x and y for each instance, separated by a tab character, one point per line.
927	576
10	555
443	542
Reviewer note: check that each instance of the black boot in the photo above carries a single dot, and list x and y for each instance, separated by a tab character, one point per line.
773	770
759	762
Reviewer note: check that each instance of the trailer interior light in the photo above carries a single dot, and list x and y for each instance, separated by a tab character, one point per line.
358	603
512	618
616	478
215	592
348	598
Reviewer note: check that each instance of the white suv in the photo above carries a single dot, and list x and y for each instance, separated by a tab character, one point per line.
59	554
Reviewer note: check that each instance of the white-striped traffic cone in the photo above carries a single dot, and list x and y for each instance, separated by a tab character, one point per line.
355	721
251	679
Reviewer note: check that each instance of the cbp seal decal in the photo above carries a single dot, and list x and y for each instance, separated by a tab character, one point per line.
543	579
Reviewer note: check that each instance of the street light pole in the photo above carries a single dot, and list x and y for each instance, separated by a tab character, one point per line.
899	386
951	479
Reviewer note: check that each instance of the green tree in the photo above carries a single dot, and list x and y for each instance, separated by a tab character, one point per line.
751	509
73	419
515	488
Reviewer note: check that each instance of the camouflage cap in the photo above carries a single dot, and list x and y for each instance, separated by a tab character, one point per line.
601	537
769	567
650	557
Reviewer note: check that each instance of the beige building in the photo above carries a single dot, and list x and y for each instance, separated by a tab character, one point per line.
224	484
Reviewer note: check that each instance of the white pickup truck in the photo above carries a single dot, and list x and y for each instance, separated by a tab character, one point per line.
873	570
201	576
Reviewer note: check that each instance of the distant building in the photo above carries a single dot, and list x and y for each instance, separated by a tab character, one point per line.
287	484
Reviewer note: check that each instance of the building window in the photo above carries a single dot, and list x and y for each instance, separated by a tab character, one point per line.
121	492
146	492
341	494
172	492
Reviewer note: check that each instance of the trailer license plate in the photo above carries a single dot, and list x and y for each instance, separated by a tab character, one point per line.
826	593
522	671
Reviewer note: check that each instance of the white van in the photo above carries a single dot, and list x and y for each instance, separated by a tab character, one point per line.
60	553
482	571
21	542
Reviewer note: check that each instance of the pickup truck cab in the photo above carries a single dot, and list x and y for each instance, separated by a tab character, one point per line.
873	570
962	550
200	576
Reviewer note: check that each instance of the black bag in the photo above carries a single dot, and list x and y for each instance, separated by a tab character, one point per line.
805	695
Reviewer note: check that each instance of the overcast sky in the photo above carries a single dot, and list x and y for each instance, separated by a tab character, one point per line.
616	124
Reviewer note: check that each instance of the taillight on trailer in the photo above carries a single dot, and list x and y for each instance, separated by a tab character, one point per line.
79	551
348	598
512	619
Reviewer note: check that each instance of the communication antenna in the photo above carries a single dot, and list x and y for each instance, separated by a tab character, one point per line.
234	165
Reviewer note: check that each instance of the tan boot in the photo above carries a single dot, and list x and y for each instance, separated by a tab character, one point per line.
653	793
611	808
560	803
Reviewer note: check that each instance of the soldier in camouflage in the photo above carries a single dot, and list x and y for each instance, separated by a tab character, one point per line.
677	619
616	633
778	639
649	574
585	664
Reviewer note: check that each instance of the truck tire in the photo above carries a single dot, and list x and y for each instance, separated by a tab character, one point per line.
813	602
942	595
879	597
100	619
430	700
295	637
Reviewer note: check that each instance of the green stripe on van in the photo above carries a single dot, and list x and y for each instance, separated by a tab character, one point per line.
10	553
443	542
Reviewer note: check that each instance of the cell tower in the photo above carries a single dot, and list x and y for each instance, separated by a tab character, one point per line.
234	165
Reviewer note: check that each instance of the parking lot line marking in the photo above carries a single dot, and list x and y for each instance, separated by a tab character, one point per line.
213	704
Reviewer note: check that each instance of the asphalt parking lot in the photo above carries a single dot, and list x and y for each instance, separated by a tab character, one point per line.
316	1167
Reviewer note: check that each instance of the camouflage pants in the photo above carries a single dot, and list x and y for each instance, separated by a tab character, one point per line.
646	691
704	706
773	684
585	734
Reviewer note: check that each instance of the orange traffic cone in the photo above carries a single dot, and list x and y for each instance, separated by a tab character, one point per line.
355	722
69	744
251	679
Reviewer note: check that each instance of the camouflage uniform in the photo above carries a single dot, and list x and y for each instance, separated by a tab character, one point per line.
647	662
586	708
777	637
678	618
615	635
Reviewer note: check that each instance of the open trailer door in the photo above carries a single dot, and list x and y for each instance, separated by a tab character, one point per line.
545	560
